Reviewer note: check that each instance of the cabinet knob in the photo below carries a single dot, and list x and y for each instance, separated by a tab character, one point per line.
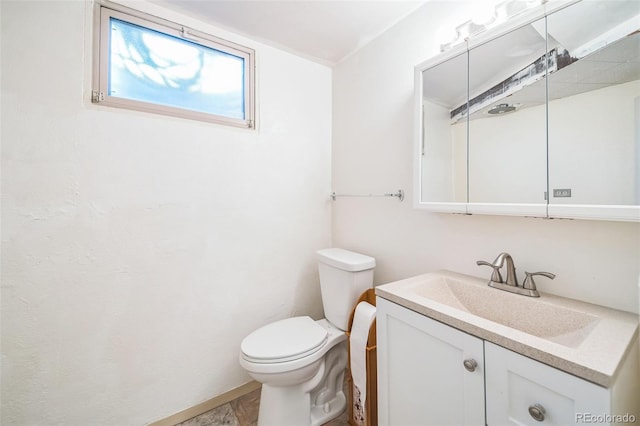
537	412
470	364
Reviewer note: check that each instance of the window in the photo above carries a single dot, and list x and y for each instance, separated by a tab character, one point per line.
145	63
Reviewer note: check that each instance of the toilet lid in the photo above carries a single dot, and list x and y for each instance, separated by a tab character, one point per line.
284	340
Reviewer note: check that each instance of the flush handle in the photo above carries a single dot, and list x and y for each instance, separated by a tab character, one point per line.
537	412
470	364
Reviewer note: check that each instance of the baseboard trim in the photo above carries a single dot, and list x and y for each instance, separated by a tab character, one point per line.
210	404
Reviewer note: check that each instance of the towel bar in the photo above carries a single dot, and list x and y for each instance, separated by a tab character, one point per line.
399	194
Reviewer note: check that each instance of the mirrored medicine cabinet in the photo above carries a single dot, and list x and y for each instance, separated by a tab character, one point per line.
540	118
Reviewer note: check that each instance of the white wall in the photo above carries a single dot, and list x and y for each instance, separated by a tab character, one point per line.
604	123
508	160
138	250
595	127
372	153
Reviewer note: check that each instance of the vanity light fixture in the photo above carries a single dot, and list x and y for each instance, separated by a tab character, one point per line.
502	11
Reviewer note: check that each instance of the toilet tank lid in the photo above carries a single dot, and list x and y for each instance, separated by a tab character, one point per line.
346	260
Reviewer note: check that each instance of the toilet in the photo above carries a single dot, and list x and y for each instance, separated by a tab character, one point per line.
301	362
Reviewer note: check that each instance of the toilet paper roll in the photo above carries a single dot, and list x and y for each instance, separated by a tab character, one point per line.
363	318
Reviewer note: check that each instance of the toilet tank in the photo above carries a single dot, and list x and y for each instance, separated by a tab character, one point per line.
344	276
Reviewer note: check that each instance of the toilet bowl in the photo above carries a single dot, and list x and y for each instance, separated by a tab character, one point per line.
290	373
301	362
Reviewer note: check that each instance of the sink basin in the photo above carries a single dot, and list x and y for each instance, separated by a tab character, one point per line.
534	316
583	339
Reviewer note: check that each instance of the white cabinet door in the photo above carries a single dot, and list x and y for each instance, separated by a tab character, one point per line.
515	383
422	379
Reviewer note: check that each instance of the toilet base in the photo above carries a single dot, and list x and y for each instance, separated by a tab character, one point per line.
311	403
331	410
286	406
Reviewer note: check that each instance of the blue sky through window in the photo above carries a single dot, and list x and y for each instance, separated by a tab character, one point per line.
150	66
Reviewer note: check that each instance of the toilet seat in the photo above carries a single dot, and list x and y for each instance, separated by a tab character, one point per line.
283	341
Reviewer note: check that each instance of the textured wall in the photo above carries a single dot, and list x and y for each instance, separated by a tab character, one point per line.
138	250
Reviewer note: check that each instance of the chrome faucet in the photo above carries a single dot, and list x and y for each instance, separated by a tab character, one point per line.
512	279
528	287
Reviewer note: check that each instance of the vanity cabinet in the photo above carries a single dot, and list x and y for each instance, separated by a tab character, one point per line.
422	379
521	391
430	373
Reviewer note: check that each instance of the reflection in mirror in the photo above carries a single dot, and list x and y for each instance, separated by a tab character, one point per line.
444	142
507	120
546	123
594	104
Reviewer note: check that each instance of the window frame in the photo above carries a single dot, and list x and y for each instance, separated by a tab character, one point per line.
101	57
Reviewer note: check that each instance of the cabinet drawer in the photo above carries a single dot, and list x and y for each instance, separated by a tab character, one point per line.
521	391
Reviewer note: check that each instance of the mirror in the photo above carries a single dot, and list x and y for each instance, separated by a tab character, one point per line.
507	119
594	105
444	133
505	139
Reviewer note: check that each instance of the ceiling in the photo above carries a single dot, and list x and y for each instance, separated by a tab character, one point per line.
324	31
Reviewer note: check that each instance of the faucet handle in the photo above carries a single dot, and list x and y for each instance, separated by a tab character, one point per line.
529	284
495	276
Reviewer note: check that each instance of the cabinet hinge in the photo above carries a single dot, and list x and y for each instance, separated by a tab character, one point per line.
97	97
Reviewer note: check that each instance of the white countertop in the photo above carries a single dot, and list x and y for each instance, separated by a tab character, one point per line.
593	351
